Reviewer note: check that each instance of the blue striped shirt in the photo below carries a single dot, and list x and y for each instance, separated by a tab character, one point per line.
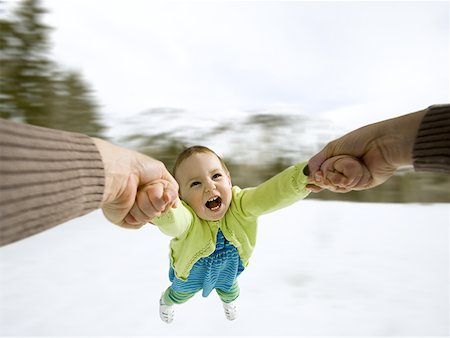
217	271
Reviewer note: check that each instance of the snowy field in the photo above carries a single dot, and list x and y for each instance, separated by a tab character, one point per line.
319	268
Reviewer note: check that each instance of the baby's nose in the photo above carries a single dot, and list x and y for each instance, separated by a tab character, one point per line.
210	186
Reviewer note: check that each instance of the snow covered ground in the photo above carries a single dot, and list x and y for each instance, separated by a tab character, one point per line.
319	268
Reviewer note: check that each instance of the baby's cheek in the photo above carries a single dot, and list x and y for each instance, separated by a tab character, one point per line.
195	203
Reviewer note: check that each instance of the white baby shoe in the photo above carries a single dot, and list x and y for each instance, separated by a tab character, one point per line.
166	312
230	310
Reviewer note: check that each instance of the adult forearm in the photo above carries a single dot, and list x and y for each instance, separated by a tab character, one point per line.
47	177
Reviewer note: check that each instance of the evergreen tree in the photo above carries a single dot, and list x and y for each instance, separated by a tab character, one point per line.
32	88
8	69
25	63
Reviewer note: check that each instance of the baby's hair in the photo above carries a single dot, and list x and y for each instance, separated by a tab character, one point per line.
186	153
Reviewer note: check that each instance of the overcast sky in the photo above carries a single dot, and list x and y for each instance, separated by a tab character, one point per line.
353	62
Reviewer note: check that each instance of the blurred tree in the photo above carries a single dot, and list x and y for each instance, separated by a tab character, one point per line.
25	66
32	90
72	106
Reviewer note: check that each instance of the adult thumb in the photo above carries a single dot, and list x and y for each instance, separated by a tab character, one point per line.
316	161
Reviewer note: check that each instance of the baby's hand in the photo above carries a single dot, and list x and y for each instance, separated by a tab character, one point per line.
343	173
152	199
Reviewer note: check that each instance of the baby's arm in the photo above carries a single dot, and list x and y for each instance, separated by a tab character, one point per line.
343	173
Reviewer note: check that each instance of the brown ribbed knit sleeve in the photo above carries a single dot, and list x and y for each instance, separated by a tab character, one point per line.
46	178
432	147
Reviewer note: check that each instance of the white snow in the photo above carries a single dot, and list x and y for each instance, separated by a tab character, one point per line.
319	268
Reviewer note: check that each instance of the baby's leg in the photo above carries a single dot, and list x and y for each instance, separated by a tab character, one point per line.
171	297
229	296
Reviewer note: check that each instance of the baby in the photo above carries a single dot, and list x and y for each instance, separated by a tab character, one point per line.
214	224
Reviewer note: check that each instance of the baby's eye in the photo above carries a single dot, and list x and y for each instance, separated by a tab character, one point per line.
193	184
216	176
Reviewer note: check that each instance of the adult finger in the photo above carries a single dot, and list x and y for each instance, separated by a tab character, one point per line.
131	223
351	169
316	161
314	188
170	196
149	202
139	215
151	197
153	171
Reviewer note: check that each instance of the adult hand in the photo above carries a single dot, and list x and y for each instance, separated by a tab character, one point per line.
341	173
382	147
126	173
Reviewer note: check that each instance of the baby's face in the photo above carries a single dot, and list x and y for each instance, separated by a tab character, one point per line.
204	185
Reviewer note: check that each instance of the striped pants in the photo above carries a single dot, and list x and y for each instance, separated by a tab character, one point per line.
175	297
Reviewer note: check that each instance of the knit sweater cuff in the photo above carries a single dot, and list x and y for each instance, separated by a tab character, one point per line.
47	177
431	150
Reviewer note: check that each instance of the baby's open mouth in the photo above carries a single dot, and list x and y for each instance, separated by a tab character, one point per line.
214	203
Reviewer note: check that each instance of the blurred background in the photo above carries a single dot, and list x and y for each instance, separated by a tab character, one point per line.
264	83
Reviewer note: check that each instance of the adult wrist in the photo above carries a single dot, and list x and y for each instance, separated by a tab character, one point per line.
404	131
431	150
102	147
